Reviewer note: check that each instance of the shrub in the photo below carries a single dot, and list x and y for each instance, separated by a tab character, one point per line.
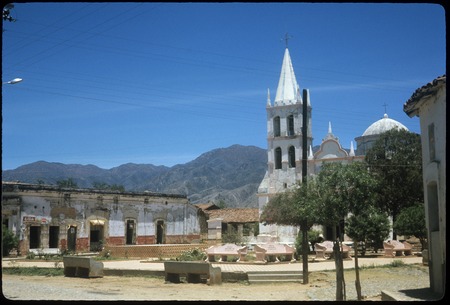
9	241
192	255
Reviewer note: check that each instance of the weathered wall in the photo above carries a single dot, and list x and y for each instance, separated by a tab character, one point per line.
40	211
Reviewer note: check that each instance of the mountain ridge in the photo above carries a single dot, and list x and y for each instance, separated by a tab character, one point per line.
230	175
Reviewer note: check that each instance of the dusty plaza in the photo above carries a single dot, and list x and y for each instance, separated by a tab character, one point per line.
408	280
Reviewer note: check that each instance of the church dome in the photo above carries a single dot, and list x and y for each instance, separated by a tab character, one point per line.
383	125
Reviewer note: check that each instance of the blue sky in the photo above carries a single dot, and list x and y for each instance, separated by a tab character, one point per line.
162	83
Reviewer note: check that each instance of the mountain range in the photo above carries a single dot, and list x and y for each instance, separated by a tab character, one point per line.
225	175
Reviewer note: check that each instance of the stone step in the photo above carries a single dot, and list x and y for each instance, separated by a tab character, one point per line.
274	276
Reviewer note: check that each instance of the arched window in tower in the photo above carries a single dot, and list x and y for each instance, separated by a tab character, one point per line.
276	126
290	125
291	154
278	158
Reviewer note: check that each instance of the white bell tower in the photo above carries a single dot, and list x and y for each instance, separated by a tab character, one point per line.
284	146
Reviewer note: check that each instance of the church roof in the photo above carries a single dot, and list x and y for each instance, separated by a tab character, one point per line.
383	125
288	91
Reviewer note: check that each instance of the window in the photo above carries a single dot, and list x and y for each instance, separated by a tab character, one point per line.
291	156
276	126
431	142
290	125
278	158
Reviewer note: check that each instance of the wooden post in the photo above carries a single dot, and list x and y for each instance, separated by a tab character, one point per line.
304	226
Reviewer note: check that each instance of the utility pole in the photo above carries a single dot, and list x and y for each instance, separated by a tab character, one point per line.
304	225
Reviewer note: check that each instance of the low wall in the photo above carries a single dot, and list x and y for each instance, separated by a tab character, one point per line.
156	251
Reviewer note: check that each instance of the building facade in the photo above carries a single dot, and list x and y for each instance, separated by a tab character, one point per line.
284	148
429	103
284	140
50	218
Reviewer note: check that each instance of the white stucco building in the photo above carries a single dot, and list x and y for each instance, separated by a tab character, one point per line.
429	103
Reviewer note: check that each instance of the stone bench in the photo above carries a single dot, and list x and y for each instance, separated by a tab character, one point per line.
325	250
193	272
224	251
394	248
82	266
274	250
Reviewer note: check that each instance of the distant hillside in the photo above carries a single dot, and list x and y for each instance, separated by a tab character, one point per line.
231	175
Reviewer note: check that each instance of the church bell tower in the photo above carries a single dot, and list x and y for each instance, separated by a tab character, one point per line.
284	145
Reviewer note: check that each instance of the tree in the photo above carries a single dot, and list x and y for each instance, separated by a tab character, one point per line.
294	207
343	190
9	241
411	221
395	160
68	183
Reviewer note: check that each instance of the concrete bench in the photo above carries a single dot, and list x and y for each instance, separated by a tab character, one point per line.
274	250
82	266
325	250
193	272
394	248
224	251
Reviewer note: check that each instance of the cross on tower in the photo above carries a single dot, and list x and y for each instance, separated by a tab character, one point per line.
385	105
286	39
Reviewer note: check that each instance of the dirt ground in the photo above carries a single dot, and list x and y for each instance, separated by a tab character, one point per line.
321	287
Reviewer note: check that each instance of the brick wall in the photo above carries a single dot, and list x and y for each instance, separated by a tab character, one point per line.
151	251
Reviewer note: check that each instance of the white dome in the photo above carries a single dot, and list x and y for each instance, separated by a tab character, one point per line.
383	125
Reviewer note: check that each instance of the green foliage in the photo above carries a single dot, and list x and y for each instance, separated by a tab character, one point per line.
30	271
369	226
192	255
395	160
105	186
343	189
232	236
295	207
313	237
68	183
9	241
411	221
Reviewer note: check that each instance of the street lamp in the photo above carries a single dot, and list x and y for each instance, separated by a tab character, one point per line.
13	81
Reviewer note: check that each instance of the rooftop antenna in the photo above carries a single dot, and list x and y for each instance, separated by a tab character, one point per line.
286	39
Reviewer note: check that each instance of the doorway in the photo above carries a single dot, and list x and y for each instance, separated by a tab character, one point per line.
96	238
35	237
53	237
72	239
131	232
160	232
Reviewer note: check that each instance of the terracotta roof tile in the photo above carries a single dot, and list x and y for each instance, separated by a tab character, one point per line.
410	106
238	215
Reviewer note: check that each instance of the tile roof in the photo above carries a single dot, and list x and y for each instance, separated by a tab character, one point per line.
239	215
410	107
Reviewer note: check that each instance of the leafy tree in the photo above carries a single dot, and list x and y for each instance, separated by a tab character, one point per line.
116	187
100	185
294	207
395	160
370	226
68	183
105	186
9	241
411	221
344	189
